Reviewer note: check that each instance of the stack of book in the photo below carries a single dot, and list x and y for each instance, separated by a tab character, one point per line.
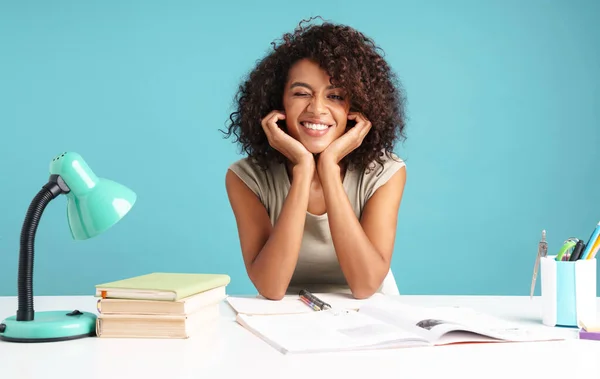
160	305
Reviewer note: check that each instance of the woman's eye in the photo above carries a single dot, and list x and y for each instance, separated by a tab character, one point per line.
301	94
337	97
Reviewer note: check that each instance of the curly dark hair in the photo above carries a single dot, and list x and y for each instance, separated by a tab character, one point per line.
354	64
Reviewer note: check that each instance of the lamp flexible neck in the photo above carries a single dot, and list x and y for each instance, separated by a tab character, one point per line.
49	191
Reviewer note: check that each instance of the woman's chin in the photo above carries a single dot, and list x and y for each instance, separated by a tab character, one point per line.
315	149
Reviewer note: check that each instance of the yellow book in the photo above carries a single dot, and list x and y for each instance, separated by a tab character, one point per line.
161	286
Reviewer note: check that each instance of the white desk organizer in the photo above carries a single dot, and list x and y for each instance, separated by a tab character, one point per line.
568	291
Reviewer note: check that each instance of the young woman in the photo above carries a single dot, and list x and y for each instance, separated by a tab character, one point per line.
316	200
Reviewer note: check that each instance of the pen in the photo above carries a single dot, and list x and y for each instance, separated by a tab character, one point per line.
588	248
313	301
595	249
577	251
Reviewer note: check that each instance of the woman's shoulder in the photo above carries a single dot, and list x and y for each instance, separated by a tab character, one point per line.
388	164
260	180
246	165
377	173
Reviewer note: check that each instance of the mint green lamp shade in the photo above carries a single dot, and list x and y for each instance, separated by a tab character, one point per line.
93	205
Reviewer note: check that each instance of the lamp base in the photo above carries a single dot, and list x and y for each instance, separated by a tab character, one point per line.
50	326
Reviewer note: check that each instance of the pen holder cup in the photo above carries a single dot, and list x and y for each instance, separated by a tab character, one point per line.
568	291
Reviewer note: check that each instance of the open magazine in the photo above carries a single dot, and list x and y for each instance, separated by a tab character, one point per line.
386	324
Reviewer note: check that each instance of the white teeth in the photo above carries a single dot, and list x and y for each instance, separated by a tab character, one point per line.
312	126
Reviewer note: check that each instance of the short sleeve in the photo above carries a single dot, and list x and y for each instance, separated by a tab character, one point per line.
252	175
377	176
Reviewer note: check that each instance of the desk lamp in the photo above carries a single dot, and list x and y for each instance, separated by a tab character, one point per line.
93	206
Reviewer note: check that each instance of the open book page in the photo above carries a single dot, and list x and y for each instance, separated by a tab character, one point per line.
292	304
327	331
262	306
443	325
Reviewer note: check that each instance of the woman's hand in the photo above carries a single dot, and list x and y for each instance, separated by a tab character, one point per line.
291	148
348	142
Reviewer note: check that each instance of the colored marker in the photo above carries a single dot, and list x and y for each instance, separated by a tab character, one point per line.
312	301
577	251
309	303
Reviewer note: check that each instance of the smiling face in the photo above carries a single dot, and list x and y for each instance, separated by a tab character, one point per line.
316	112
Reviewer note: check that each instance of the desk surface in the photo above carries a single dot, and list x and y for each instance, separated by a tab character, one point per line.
236	353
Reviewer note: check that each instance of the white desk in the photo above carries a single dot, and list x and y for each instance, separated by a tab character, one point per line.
237	353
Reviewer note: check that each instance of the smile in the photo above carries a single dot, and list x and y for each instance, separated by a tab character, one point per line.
313	126
314	129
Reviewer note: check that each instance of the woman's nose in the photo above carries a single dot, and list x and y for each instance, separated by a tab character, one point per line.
317	105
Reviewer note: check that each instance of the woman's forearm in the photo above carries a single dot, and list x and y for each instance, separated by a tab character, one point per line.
272	269
363	266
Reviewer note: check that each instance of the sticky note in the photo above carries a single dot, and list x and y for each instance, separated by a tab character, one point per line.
585	335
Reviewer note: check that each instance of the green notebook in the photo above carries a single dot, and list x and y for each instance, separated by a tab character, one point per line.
161	286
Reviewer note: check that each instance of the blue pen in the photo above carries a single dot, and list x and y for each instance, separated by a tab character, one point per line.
588	247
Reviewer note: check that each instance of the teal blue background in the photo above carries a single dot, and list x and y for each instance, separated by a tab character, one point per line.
503	131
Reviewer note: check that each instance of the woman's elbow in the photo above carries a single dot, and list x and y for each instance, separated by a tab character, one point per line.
269	290
272	293
366	288
363	293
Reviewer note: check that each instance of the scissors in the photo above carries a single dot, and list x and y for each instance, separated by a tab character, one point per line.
542	252
566	248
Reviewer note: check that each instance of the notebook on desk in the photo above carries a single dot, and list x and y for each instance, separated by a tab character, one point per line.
162	286
385	324
291	304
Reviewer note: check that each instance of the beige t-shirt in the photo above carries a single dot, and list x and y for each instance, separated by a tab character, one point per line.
317	269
